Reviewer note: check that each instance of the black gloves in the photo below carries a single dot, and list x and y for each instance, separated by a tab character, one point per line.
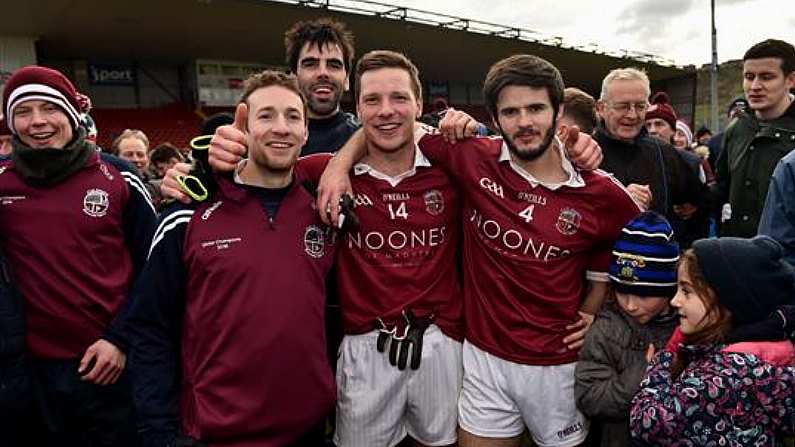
400	345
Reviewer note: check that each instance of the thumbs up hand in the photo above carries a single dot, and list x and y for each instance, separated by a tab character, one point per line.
582	149
229	144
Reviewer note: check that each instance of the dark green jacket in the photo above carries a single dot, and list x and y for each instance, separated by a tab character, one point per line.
751	150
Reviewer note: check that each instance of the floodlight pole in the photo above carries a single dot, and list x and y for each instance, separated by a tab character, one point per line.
713	84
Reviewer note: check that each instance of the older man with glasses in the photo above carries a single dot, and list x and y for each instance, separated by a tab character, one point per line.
654	173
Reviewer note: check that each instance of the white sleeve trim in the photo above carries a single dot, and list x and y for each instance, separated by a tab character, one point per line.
134	181
591	275
169	223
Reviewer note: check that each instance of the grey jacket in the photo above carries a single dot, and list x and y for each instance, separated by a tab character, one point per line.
611	366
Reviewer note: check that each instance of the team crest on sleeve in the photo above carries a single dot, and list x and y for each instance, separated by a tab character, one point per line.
568	221
314	241
96	202
434	202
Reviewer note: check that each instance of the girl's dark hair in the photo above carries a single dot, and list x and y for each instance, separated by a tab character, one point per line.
719	316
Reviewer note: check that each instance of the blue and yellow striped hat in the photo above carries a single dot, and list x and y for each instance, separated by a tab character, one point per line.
645	257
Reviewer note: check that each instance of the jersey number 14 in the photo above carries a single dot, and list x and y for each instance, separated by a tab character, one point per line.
399	212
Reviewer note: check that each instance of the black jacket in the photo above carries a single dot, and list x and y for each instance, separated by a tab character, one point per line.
648	161
15	388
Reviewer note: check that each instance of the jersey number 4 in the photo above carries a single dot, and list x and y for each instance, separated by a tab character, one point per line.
527	213
399	212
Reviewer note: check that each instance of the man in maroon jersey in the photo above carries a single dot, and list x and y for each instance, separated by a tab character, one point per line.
534	229
75	227
401	261
227	324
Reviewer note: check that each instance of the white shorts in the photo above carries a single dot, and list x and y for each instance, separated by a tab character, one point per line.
500	397
378	405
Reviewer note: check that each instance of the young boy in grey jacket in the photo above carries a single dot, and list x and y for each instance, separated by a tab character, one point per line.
631	328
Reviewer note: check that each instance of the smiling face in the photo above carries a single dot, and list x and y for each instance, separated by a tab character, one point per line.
134	150
624	108
680	140
41	124
322	78
388	108
276	128
690	305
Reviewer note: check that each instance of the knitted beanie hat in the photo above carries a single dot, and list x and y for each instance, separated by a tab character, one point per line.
681	125
749	276
41	83
661	108
645	257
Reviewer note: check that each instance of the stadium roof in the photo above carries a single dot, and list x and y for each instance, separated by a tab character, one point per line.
446	48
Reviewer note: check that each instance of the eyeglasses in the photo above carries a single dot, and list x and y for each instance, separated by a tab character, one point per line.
625	107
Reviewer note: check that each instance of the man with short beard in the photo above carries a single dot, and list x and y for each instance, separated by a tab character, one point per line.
227	325
535	228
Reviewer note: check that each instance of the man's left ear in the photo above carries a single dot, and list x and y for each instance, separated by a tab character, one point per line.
562	130
790	81
419	109
347	84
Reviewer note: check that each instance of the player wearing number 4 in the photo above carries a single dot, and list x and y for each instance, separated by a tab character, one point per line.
534	229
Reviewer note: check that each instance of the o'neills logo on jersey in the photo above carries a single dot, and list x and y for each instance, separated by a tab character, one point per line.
105	171
314	241
490	185
95	203
362	200
209	211
568	221
434	202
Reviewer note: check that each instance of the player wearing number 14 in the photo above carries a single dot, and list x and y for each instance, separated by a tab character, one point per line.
397	271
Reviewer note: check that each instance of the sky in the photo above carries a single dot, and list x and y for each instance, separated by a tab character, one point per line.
678	30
